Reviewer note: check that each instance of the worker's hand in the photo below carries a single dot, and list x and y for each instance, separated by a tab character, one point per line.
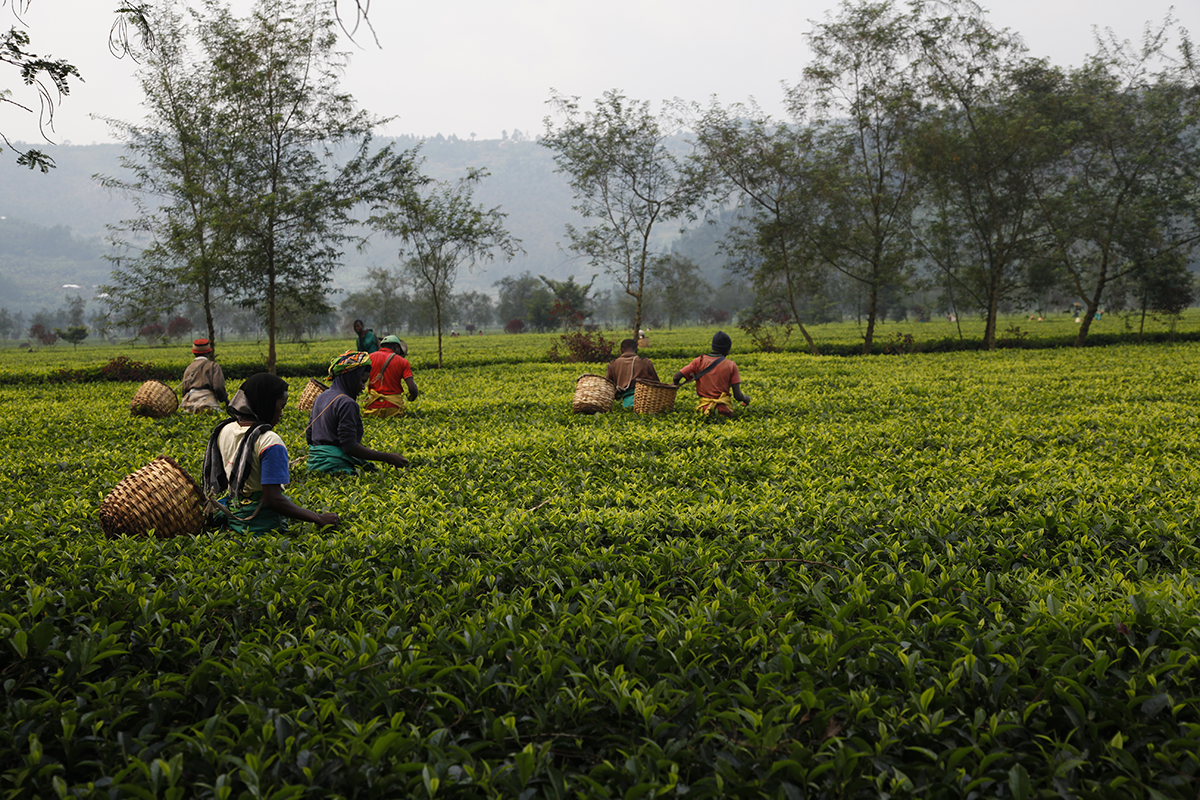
396	460
745	399
328	520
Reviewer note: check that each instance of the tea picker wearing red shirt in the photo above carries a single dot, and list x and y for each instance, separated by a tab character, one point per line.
716	378
390	374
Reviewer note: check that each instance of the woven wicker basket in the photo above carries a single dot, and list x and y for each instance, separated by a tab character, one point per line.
160	497
153	399
307	397
593	394
644	342
651	397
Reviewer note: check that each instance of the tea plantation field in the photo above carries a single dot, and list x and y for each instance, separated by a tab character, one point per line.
934	576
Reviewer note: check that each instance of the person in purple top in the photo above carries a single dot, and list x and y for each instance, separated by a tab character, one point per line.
335	429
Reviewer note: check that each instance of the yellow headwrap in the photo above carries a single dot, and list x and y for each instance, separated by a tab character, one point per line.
351	359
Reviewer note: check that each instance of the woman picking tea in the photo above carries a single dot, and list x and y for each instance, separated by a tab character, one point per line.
247	461
335	428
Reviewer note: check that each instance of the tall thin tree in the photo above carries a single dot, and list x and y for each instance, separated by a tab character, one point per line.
629	180
441	229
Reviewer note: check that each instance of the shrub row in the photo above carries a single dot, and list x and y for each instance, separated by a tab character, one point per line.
590	349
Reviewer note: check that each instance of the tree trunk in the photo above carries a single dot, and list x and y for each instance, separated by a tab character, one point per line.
271	315
208	316
641	291
791	292
812	346
637	314
872	302
1092	306
954	309
993	310
437	317
1084	324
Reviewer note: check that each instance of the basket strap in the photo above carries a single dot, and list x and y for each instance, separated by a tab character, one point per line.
709	368
314	419
212	508
382	372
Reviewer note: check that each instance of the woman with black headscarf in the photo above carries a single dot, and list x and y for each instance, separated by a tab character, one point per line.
335	427
246	459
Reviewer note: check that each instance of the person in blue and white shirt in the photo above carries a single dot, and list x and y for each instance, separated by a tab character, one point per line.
247	461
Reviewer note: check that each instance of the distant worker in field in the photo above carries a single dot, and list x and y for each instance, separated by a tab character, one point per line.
717	380
627	368
390	374
203	386
335	427
367	341
247	461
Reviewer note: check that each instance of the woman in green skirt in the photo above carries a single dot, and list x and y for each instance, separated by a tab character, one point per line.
335	426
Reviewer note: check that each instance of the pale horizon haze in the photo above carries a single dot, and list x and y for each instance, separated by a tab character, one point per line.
483	68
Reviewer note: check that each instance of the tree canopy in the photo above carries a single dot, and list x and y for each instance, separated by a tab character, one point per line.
441	229
250	167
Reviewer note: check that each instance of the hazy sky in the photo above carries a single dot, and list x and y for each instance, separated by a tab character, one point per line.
482	66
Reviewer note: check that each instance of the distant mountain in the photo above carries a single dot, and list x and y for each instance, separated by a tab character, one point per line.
524	184
41	266
67	195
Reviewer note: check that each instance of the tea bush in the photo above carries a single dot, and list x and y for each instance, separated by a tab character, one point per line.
936	576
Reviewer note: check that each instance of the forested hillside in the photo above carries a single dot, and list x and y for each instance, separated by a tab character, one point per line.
524	184
37	263
66	195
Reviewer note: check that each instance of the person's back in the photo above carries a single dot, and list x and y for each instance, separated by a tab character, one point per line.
716	376
335	427
722	374
334	419
626	369
203	383
391	374
247	462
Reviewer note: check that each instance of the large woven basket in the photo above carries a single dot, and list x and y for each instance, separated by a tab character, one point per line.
593	394
160	498
651	397
643	342
153	399
307	397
